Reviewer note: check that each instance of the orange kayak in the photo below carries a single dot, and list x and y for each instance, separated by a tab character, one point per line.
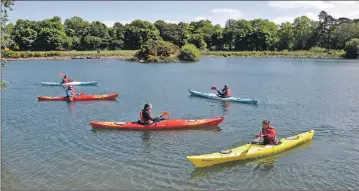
83	97
165	124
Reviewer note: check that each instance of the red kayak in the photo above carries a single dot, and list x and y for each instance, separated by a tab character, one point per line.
165	124
82	97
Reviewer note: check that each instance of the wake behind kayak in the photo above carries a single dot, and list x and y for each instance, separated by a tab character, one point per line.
229	99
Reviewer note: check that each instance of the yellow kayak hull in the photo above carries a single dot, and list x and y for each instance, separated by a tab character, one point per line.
255	151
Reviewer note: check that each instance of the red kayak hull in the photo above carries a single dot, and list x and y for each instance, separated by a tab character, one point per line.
165	124
80	98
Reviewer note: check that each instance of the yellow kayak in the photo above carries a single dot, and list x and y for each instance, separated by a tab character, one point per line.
249	151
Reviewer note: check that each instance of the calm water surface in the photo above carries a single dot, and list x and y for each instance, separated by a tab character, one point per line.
50	145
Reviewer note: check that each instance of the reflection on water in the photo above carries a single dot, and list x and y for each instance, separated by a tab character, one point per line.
264	164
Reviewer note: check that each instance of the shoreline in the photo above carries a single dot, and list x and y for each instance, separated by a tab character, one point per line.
127	55
209	55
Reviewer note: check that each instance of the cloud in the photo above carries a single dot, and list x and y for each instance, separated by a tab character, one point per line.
221	15
335	8
279	20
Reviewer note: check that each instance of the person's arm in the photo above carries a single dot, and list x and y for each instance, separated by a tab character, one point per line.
150	116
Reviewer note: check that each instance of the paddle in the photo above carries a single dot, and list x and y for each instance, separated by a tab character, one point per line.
61	74
250	145
213	88
166	113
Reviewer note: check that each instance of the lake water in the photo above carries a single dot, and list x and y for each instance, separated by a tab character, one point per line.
50	145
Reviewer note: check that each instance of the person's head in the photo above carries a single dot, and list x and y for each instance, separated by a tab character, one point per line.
226	86
70	87
265	123
65	76
148	106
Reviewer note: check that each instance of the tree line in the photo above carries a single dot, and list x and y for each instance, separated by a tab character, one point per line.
239	35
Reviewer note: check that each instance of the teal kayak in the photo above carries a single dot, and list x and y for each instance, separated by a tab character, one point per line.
75	83
229	99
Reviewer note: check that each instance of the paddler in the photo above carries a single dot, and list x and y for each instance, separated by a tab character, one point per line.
66	79
268	133
70	92
225	93
146	115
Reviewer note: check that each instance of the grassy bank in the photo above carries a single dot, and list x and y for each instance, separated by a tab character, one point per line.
126	54
321	54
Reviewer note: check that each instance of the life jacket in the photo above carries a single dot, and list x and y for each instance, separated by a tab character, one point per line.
228	94
70	92
143	119
271	134
66	80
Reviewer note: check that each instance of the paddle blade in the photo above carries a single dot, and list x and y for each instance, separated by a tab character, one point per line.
61	74
213	88
166	113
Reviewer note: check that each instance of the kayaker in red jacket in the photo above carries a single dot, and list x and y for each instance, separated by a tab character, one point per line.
226	92
146	115
66	79
268	133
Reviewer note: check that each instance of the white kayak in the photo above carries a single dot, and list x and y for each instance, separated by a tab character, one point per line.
75	83
229	99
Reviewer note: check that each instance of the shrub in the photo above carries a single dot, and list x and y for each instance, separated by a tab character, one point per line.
189	52
157	51
352	48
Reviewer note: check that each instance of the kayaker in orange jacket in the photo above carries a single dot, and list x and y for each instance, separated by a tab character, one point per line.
226	92
268	133
146	115
66	79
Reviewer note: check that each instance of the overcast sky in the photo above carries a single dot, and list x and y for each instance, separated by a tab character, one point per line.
218	12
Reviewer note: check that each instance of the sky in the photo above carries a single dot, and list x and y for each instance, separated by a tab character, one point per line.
218	12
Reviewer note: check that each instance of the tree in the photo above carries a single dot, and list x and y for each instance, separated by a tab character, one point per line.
352	48
286	36
303	29
198	41
139	32
5	35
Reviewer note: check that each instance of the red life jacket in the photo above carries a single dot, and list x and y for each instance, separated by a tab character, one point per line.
271	135
228	94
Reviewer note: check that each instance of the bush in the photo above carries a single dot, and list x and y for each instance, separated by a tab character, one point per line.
189	52
157	51
352	48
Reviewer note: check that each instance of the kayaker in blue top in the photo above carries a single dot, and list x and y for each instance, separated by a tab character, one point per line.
146	115
225	93
70	92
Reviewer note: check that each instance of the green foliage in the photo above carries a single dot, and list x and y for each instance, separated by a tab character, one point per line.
240	35
198	41
157	51
352	48
189	52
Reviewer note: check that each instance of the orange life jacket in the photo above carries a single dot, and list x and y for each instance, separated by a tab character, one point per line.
228	94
